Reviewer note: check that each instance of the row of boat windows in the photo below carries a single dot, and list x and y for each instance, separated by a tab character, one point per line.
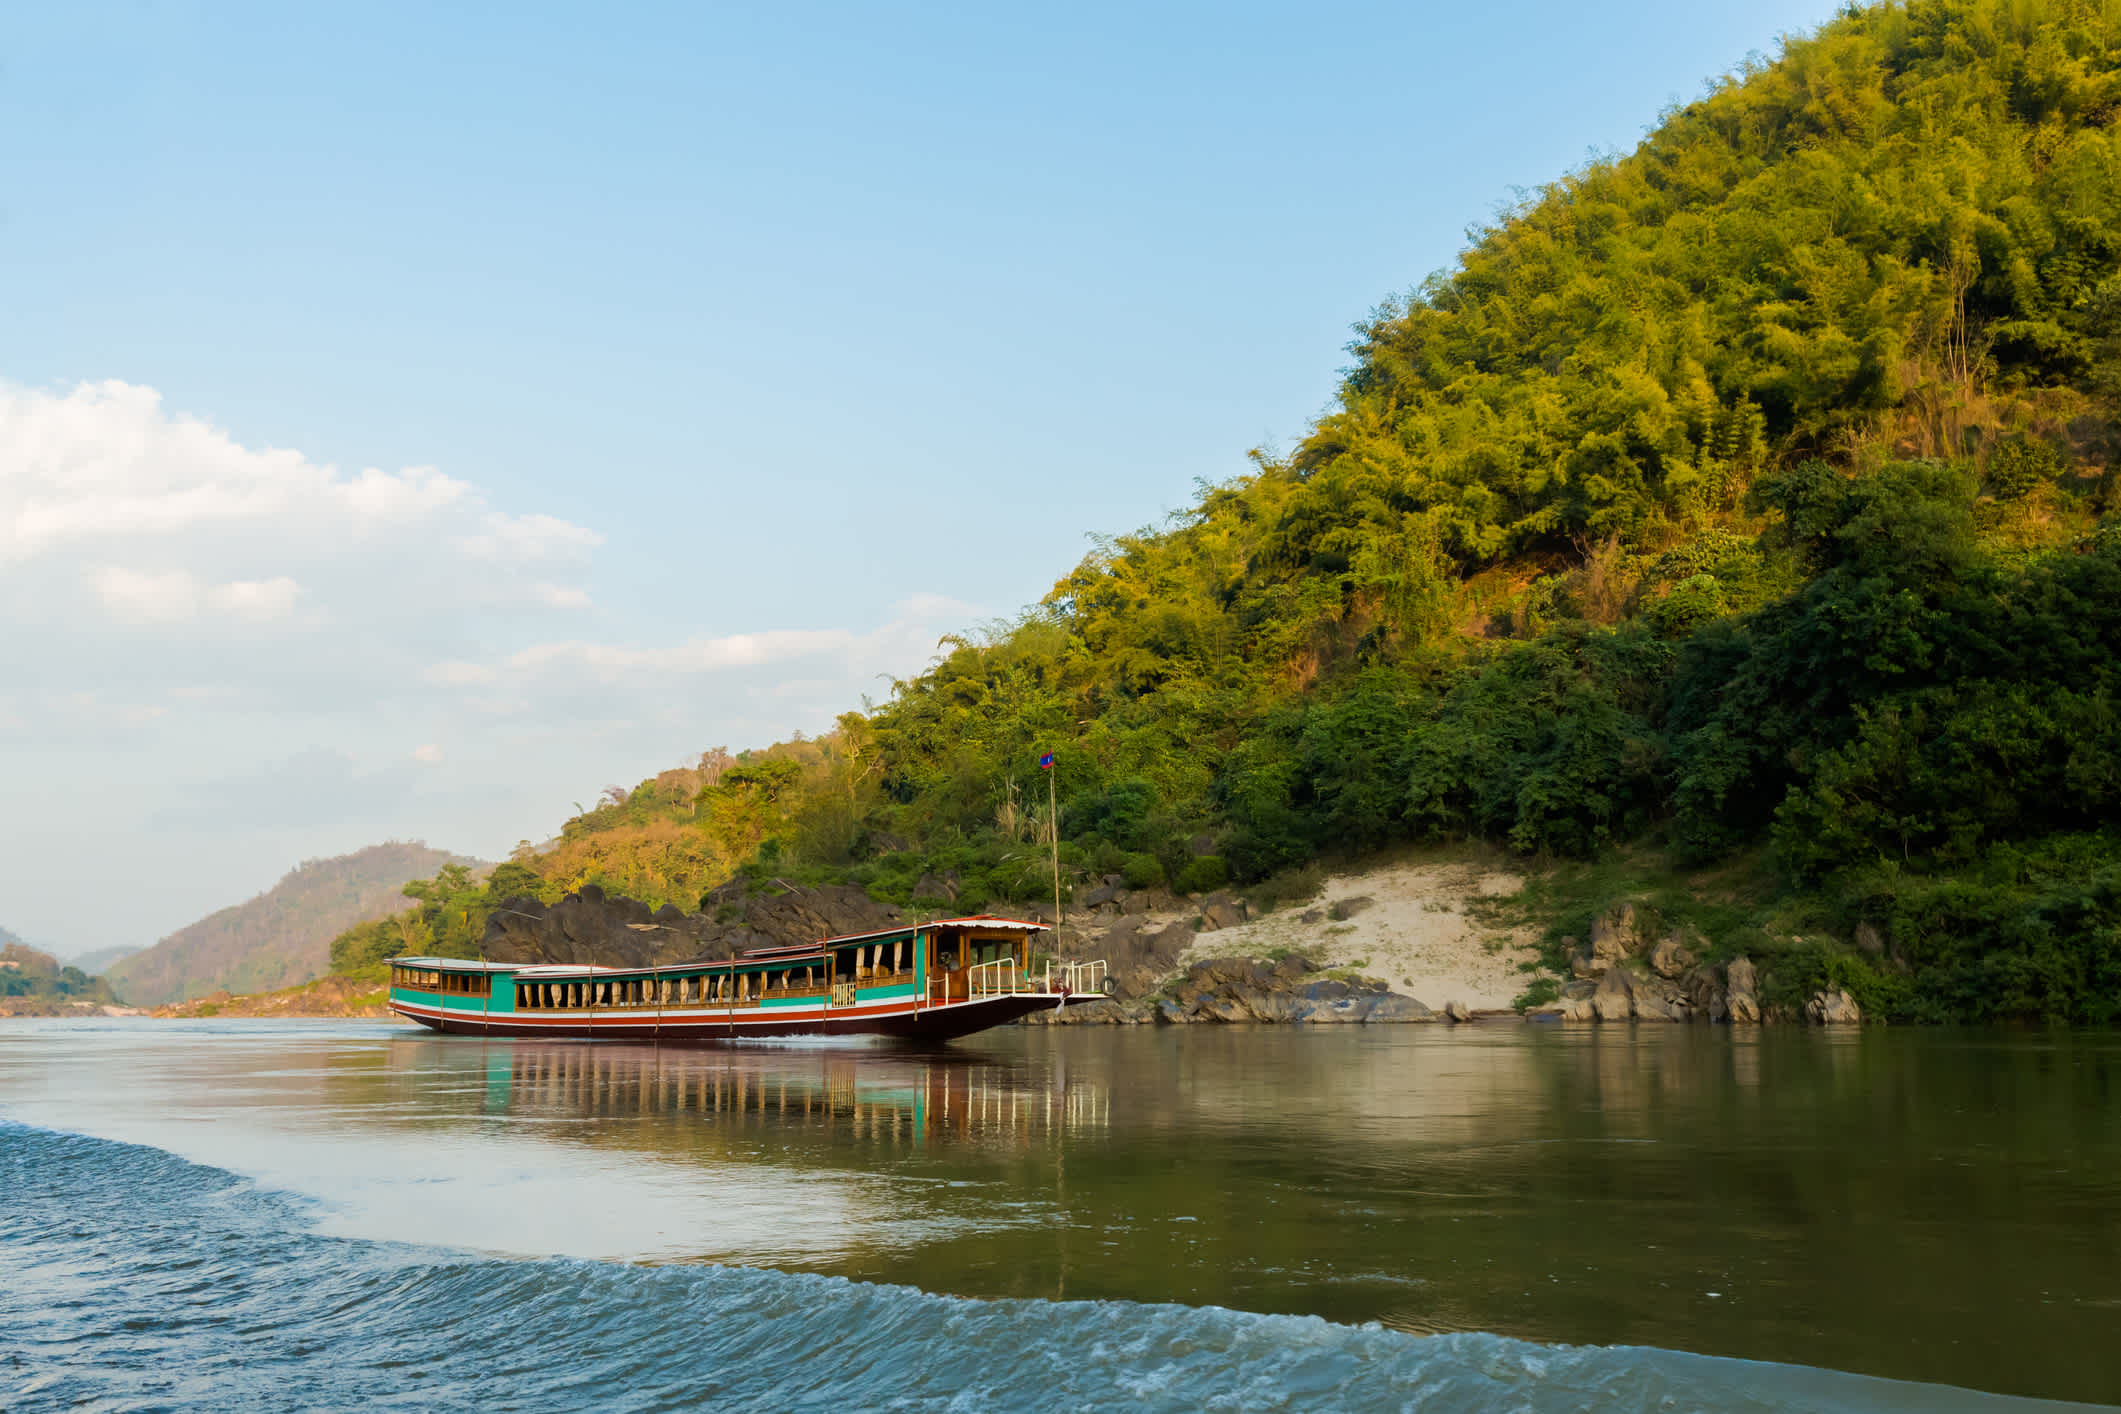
673	991
423	979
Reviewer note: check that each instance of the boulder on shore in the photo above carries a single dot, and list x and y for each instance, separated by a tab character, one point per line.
1740	995
1615	935
1704	992
1671	957
1239	989
1833	1007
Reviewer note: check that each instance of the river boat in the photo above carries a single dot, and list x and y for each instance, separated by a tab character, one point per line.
929	981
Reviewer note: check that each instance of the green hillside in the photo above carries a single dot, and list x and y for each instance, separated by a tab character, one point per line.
1739	514
281	937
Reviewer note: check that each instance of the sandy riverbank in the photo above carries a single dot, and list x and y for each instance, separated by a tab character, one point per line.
1411	925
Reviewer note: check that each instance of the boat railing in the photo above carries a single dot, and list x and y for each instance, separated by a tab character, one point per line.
1075	978
989	979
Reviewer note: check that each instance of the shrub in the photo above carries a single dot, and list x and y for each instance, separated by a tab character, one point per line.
1204	875
1142	871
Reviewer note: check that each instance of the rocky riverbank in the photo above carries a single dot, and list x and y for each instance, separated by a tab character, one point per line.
1621	974
334	996
1236	989
61	1006
1216	959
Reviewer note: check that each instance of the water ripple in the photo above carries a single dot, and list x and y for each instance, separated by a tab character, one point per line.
130	1279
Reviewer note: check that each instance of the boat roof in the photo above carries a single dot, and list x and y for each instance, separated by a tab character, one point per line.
982	921
472	963
976	922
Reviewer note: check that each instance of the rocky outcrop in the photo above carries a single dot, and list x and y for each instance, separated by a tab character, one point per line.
936	886
1613	982
1671	957
1112	898
1615	936
1833	1007
592	927
1237	989
1703	989
1741	991
1138	954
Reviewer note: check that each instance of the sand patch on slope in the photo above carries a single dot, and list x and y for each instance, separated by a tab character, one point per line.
1416	935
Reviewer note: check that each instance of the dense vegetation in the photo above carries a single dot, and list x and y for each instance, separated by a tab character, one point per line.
1748	497
33	982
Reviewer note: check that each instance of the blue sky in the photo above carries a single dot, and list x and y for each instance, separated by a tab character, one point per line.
749	350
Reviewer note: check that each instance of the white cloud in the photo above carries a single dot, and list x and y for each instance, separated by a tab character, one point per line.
258	600
188	617
135	596
560	596
902	642
533	537
105	465
145	597
737	650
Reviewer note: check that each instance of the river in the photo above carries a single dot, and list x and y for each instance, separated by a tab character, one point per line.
1494	1216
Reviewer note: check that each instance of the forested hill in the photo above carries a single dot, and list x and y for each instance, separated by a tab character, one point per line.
1748	501
34	983
283	936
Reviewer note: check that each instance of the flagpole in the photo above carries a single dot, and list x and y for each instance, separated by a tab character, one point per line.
1053	822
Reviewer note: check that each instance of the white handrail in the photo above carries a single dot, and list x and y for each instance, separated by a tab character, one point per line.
1076	977
987	979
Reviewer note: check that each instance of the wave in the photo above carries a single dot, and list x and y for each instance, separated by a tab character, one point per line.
132	1279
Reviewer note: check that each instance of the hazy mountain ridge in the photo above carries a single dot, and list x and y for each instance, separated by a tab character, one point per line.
282	936
99	960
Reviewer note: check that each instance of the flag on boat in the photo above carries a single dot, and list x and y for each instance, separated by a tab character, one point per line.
1045	763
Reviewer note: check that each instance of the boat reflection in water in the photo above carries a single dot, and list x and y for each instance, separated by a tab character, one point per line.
659	1095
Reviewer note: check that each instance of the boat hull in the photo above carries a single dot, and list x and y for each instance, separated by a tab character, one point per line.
925	1021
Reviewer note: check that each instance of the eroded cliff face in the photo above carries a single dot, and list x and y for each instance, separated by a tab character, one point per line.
612	931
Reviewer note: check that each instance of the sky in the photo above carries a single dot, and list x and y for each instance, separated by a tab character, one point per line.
414	419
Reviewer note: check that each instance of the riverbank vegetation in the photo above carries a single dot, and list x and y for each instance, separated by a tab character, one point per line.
1743	505
34	983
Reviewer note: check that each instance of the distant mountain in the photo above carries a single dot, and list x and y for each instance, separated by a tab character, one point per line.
102	959
283	936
